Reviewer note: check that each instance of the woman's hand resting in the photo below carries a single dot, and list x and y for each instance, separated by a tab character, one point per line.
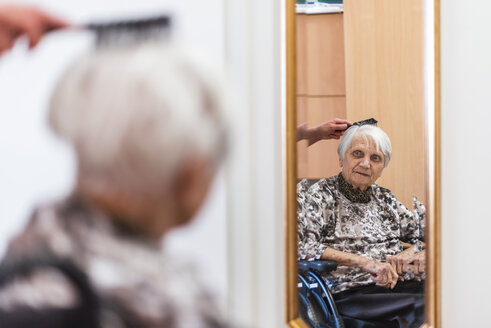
420	262
383	274
408	259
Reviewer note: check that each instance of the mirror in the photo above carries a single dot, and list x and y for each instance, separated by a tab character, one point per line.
373	58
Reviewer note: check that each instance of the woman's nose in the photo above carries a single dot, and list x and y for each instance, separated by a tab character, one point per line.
365	162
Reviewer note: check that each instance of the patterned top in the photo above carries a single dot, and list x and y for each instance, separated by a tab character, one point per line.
373	228
128	271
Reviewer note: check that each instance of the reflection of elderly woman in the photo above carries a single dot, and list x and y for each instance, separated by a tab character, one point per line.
349	219
148	135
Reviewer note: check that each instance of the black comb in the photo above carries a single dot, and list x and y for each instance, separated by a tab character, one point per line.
130	31
370	121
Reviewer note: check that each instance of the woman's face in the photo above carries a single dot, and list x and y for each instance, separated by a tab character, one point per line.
362	164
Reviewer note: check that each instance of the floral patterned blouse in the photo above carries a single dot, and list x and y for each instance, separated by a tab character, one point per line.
128	271
371	224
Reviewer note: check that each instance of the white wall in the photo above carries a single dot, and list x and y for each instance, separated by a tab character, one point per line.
466	162
256	229
35	167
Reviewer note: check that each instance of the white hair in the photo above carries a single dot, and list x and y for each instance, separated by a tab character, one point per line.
373	132
135	115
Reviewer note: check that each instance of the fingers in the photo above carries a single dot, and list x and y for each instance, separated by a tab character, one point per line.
339	126
421	266
34	34
33	23
392	276
38	25
52	23
6	42
329	130
341	121
388	282
404	265
333	129
401	262
385	275
393	283
336	135
397	263
380	280
420	263
392	261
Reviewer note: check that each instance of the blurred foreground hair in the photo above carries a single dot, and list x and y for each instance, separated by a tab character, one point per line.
134	115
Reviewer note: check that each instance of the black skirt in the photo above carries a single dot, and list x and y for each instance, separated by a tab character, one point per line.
378	307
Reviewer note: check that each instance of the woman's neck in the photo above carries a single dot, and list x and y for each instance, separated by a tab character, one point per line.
353	194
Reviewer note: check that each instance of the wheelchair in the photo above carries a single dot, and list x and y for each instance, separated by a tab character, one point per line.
317	307
83	315
316	303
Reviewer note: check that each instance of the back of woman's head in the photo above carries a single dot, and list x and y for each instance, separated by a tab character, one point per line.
134	116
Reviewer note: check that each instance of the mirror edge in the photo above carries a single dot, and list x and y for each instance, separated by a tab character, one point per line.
433	287
292	314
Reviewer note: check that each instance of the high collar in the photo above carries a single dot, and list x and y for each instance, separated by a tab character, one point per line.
354	195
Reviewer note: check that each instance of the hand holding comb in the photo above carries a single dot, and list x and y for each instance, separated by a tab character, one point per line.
20	20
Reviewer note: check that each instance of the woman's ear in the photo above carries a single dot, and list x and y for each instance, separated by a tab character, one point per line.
192	186
340	163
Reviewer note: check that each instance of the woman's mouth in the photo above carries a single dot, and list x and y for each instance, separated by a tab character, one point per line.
364	174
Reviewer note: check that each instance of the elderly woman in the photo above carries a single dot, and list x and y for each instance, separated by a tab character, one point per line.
362	226
148	132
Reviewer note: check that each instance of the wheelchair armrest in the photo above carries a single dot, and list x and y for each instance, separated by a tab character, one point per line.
317	265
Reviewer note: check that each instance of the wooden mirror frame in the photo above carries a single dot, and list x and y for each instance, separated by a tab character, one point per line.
433	287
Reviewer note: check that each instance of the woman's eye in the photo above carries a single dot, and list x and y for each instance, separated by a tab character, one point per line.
376	158
357	153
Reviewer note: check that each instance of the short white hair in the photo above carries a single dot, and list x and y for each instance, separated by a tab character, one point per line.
135	115
379	137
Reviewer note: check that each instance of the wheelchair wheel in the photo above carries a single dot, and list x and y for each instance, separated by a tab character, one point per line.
313	307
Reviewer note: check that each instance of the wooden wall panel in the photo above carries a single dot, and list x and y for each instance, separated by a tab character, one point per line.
320	159
320	88
301	52
302	159
320	51
384	79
